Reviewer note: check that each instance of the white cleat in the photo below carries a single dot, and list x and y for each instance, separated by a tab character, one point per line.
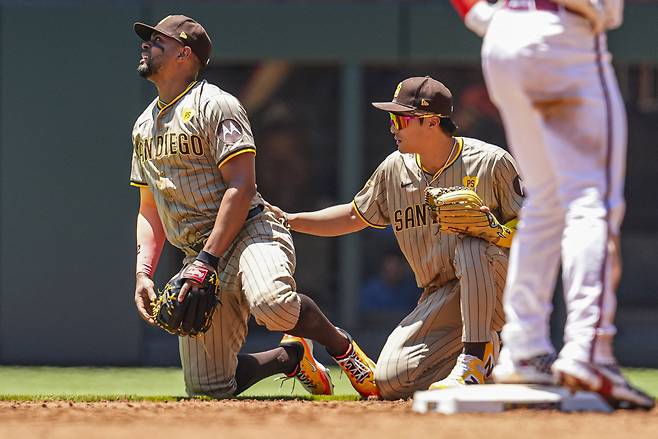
534	370
604	379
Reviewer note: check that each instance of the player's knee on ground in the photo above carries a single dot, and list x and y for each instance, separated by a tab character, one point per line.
276	308
396	380
211	383
195	390
390	385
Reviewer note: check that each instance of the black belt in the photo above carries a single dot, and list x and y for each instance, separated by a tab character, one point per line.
255	211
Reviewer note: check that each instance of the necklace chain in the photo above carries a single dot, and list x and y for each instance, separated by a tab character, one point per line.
440	171
436	176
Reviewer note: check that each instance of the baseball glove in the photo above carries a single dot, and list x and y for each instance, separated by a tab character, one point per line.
194	314
458	210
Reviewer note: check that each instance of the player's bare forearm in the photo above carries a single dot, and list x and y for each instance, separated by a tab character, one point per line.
332	221
239	173
150	234
230	219
150	240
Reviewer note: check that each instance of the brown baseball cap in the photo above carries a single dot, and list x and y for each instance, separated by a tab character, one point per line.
182	29
419	95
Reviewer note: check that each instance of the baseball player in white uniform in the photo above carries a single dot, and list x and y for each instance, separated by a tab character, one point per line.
193	160
548	70
450	338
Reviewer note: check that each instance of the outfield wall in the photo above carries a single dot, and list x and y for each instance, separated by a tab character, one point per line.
69	95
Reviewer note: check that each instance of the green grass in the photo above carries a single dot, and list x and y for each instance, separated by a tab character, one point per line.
166	384
157	384
645	379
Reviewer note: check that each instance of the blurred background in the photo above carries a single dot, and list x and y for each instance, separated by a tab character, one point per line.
306	71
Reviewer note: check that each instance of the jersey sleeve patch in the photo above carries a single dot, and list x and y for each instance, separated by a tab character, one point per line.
230	131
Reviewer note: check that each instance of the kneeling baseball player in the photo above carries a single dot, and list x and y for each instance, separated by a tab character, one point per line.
453	240
193	161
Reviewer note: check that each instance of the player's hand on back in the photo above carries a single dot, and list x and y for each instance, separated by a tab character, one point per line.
144	295
278	213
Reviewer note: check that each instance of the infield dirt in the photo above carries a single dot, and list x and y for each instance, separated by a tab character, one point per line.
302	419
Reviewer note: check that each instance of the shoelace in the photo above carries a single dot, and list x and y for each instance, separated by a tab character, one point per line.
283	379
460	371
355	367
303	378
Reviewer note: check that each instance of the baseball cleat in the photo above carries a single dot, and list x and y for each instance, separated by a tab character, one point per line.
533	370
490	357
604	379
469	369
359	369
310	372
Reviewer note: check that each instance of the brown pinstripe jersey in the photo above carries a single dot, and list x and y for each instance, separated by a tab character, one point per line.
178	151
394	195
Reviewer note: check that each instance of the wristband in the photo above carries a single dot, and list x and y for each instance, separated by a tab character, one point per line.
145	273
208	258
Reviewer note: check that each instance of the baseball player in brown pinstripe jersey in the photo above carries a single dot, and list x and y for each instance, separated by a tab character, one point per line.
450	338
193	161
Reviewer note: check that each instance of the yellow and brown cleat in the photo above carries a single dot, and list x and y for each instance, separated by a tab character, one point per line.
359	369
310	372
469	369
490	358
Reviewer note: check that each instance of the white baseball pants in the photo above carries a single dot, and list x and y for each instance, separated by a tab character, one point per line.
553	83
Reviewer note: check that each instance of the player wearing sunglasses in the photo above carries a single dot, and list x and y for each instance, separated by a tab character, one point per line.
450	338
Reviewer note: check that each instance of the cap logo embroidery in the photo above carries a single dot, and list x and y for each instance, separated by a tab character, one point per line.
424	103
397	91
183	35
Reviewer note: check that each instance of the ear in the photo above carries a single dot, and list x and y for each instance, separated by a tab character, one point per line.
184	53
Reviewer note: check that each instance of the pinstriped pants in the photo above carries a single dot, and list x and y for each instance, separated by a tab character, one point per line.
256	277
424	346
